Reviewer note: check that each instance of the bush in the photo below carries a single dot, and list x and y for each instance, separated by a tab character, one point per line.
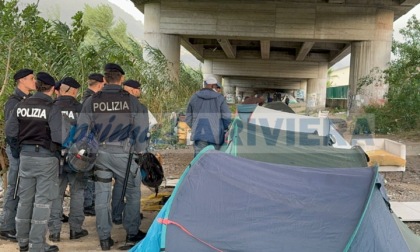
402	110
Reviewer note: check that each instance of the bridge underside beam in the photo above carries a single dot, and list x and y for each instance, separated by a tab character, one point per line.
265	69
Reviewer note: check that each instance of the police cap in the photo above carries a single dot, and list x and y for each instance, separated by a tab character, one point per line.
58	84
46	78
22	73
132	83
97	77
113	67
71	82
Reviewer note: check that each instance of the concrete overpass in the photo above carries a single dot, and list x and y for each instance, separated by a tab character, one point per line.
277	44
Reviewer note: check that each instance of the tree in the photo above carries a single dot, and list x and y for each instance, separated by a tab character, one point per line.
402	112
93	39
330	76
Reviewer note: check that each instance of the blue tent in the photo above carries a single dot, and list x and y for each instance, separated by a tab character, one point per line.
228	203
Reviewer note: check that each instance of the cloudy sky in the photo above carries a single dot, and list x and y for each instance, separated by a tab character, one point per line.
125	10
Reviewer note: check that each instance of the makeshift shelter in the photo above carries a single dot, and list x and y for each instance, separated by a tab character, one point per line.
298	123
284	138
227	203
279	105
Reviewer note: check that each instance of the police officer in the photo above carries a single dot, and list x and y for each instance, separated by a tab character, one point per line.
118	119
133	88
69	108
25	82
57	89
36	129
57	85
95	83
117	206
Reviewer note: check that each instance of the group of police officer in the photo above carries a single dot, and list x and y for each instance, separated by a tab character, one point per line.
36	128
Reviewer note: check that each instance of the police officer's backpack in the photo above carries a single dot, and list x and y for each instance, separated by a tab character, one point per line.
151	171
82	153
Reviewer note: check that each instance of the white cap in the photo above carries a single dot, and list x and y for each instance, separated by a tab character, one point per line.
211	80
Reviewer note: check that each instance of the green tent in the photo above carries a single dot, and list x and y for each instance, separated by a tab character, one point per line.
274	145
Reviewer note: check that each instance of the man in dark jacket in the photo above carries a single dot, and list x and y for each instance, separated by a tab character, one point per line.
25	82
120	122
208	116
96	82
67	105
35	129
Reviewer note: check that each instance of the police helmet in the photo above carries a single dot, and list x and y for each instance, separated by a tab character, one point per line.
82	154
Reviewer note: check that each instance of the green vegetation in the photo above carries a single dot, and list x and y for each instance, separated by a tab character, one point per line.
93	39
402	111
330	76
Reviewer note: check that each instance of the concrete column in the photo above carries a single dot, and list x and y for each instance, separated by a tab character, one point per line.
169	45
368	58
316	90
207	68
239	95
229	91
302	89
208	71
245	92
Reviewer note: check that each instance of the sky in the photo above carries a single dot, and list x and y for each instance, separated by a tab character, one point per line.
129	7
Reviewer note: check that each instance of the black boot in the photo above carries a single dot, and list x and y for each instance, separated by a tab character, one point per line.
77	235
50	248
54	237
89	211
8	235
64	218
24	248
135	238
106	244
47	248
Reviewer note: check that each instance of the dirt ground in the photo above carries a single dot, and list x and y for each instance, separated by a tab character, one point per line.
175	161
400	188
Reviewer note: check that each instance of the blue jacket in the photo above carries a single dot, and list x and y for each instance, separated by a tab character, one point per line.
208	116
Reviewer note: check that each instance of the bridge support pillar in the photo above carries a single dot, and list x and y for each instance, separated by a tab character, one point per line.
169	45
244	93
208	71
316	89
229	91
368	58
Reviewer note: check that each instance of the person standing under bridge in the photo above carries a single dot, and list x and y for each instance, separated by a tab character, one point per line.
208	115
